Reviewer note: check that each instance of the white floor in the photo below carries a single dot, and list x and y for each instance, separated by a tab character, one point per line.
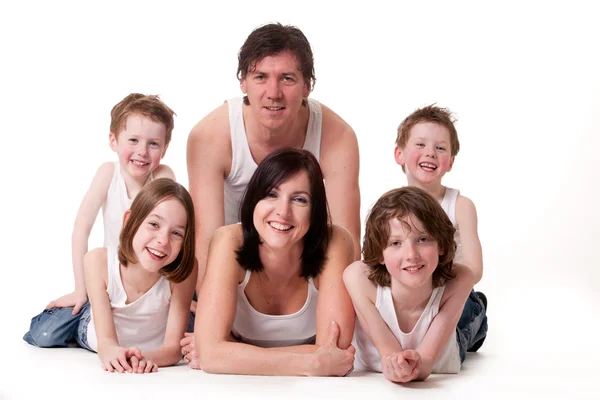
524	354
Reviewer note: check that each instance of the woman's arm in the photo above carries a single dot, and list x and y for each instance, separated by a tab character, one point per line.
216	313
179	313
444	324
364	294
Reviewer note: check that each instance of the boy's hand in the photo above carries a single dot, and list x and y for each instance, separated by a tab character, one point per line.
75	300
401	367
118	358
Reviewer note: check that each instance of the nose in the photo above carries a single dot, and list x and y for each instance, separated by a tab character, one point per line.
162	237
283	207
430	151
274	89
142	150
411	250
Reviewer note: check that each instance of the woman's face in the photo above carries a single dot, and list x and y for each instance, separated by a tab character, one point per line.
282	218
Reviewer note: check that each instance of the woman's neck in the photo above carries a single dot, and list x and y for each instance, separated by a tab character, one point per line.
280	265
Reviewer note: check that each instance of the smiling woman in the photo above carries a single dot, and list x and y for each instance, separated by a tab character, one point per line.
273	301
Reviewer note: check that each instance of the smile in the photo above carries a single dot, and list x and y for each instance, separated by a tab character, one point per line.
428	166
414	268
275	108
139	163
155	253
280	227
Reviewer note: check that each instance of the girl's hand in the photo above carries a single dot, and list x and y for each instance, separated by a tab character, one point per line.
118	358
143	365
401	367
330	360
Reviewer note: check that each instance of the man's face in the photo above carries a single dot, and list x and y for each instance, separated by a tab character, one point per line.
275	89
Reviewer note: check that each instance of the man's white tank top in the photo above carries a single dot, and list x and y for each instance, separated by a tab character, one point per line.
242	163
367	356
263	330
449	206
116	203
142	323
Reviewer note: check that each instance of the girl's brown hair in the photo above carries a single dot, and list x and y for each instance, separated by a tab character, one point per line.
401	203
149	197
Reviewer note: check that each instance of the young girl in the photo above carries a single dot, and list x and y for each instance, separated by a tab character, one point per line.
407	294
139	293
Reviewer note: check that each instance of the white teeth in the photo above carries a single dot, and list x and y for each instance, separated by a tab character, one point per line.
139	163
275	108
156	252
428	165
413	268
280	227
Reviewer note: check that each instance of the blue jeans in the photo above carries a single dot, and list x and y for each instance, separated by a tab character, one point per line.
472	325
57	327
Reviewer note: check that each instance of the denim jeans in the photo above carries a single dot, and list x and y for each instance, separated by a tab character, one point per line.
57	327
472	325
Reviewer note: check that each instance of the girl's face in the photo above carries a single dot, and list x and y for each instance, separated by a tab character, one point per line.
159	238
411	255
282	218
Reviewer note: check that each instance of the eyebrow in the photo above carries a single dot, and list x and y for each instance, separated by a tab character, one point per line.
162	219
422	138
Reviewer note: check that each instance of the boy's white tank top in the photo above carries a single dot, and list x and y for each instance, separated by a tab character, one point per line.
449	206
142	323
116	203
263	330
367	356
242	163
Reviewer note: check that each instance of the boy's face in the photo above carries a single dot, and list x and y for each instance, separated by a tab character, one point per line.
411	255
275	90
427	155
140	145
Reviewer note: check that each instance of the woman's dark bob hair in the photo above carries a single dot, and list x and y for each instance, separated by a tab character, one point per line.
278	167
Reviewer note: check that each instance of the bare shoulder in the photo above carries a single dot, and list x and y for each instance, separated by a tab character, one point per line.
465	209
209	144
339	146
356	279
163	171
334	125
213	126
96	258
105	171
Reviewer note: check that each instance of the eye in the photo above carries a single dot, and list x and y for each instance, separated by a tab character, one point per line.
423	239
395	243
288	79
133	140
259	77
179	234
420	144
271	195
440	148
154	144
153	224
300	199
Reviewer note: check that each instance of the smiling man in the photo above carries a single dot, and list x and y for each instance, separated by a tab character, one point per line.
276	73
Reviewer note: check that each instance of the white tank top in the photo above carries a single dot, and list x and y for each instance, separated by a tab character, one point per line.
367	356
142	323
449	205
263	330
115	205
242	163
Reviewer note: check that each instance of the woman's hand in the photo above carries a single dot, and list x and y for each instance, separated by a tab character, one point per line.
401	367
330	360
188	349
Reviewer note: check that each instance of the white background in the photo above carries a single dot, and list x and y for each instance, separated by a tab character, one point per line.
522	77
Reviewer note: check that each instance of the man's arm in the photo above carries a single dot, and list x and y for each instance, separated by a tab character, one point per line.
208	163
339	159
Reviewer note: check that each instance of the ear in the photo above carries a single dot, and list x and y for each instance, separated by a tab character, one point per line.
306	90
243	85
112	141
451	164
126	217
399	156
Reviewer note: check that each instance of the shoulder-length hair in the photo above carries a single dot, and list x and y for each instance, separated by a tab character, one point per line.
401	203
276	168
149	197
